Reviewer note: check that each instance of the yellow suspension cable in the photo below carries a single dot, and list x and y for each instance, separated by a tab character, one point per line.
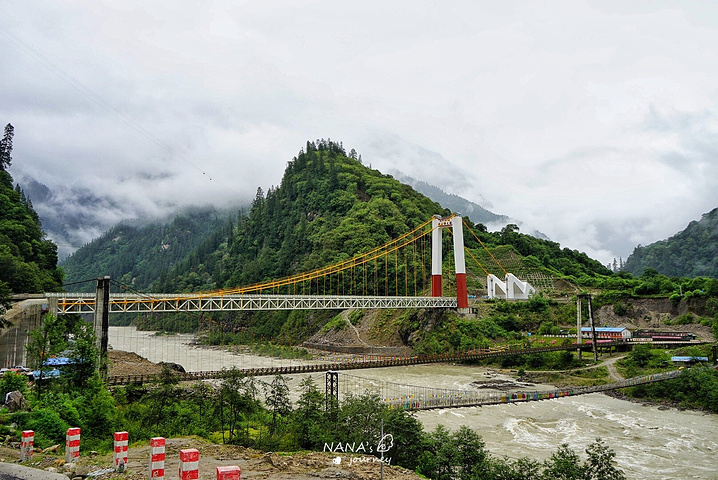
482	244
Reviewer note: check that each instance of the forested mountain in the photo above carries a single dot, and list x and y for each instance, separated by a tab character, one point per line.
28	261
453	202
137	253
330	207
692	252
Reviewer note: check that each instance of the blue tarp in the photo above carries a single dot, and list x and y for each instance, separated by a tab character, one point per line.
689	359
58	361
54	373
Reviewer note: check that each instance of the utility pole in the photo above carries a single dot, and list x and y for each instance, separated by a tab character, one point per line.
578	325
579	338
382	451
593	329
101	321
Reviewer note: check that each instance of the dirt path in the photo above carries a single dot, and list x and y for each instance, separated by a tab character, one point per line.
609	364
254	464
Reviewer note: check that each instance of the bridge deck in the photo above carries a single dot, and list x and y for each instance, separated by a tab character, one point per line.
374	363
123	303
472	399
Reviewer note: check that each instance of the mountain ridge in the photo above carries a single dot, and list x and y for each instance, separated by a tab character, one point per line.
692	252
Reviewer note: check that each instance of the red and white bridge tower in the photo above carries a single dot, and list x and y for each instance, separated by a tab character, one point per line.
437	225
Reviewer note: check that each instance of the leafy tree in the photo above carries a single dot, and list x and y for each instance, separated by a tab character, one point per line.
6	147
277	399
12	381
564	464
83	354
471	452
599	465
45	342
309	419
641	355
236	401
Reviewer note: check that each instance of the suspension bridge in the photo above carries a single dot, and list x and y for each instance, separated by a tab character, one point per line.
414	397
394	275
404	273
355	363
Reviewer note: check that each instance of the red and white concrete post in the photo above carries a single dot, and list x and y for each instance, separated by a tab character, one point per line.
27	445
121	441
157	457
72	444
189	464
229	473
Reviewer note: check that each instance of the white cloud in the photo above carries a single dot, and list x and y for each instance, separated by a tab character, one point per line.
593	122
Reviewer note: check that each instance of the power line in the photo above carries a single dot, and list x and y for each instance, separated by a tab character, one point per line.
81	281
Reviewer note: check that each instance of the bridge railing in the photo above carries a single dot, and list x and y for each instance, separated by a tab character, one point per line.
133	303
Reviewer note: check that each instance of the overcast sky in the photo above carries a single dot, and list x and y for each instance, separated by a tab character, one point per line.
593	122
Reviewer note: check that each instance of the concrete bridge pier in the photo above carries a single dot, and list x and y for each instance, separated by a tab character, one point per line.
24	317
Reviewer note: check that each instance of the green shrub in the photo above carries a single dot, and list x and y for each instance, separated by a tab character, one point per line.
620	309
12	381
356	316
675	298
684	319
48	426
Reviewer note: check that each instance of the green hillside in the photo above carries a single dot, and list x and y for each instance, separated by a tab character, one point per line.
692	252
327	208
28	260
330	207
138	254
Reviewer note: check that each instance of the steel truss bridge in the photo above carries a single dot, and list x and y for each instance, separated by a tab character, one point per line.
140	303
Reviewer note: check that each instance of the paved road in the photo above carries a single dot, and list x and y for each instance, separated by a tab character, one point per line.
12	471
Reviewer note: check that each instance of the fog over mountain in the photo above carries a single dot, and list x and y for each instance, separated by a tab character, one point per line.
594	122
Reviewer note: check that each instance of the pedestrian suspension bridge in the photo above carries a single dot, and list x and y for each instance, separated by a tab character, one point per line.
412	397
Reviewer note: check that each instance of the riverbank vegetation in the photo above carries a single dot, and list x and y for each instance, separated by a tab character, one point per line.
696	388
246	411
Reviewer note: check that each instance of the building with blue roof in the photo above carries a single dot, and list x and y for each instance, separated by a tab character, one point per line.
611	333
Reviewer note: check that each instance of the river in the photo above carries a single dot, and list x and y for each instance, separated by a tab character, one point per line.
649	443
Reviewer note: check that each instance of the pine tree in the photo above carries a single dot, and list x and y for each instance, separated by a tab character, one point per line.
6	147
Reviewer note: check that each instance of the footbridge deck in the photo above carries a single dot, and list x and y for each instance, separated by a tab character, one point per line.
423	400
379	362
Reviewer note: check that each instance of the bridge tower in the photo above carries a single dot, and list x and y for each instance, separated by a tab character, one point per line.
101	321
437	224
331	393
